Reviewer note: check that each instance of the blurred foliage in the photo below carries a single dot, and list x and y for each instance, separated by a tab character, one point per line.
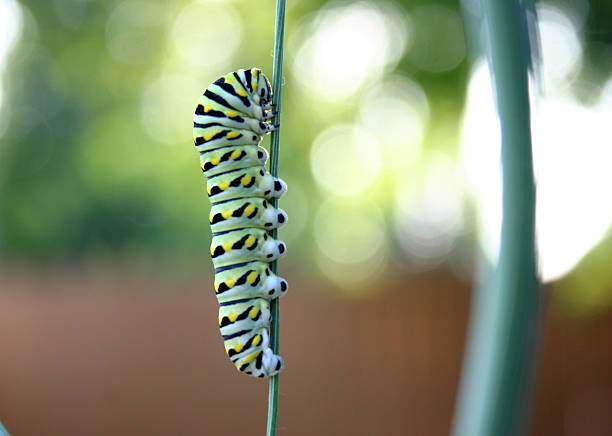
587	290
96	155
80	172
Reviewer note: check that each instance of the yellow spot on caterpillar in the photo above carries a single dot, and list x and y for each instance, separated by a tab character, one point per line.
249	359
223	186
236	154
252	277
215	160
210	217
208	189
230	283
249	209
254	312
232	317
256	72
254	85
207	108
231	114
250	241
216	287
226	214
208	136
231	135
220	321
202	164
256	340
227	246
212	249
238	348
242	93
246	179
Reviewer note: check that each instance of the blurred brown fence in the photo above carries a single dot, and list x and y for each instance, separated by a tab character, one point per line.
112	353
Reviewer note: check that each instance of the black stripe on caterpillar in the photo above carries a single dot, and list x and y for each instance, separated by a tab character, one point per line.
229	121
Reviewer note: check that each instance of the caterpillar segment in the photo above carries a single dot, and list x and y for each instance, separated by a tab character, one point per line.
230	120
244	182
248	280
230	158
245	212
245	245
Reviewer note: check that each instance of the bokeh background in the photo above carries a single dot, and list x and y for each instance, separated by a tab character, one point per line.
390	147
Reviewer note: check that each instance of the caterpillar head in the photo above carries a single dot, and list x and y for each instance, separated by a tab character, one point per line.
262	92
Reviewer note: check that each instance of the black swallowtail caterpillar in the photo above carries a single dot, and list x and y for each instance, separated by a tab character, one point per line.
229	122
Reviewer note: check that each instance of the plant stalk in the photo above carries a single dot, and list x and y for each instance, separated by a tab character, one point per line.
500	353
277	81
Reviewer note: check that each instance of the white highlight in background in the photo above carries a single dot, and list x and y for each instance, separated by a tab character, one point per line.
396	111
429	211
347	45
572	152
561	47
167	101
11	23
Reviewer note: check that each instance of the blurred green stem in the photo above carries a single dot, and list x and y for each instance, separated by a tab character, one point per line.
497	373
277	81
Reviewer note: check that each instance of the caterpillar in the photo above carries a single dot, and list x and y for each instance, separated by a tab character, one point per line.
229	122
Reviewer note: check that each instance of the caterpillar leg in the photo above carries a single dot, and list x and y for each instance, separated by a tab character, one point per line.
266	128
269	116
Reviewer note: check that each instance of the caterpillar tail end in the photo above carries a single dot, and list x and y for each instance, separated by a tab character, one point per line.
272	363
262	363
267	364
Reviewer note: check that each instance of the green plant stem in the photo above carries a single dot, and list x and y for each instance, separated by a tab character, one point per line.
499	362
277	81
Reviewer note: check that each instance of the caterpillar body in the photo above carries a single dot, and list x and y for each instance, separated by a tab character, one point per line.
229	121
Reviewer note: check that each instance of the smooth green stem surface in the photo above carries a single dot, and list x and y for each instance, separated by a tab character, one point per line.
277	81
496	382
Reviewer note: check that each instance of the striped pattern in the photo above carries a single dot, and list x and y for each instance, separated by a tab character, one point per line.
229	122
